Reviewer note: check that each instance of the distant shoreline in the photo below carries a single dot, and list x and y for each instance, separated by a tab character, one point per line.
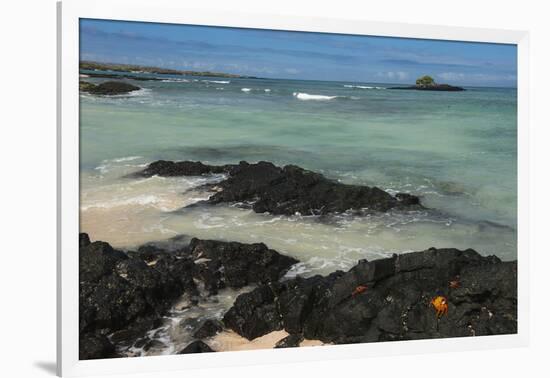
136	69
131	71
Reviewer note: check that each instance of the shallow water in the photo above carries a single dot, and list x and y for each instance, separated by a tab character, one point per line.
456	150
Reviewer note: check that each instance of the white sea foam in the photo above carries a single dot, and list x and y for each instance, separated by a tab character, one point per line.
267	90
362	87
140	92
175	81
128	158
246	89
217	81
142	200
309	97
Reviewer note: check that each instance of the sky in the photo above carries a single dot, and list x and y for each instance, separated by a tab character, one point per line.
298	55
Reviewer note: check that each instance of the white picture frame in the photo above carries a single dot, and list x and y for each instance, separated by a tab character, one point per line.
69	13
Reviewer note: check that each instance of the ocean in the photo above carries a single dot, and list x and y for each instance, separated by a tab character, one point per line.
456	150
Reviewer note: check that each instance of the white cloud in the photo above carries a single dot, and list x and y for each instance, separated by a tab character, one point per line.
393	75
474	77
451	76
292	71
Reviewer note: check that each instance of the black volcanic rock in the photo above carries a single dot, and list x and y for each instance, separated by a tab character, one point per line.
120	293
395	305
108	88
181	168
289	190
83	240
290	341
232	264
97	259
196	347
254	314
94	346
124	295
209	328
435	87
85	86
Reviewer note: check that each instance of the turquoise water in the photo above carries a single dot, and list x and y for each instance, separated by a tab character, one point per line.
456	150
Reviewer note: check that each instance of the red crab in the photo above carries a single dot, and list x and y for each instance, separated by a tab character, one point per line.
455	284
358	290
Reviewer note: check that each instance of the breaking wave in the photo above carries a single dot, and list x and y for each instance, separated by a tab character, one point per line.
315	97
307	97
361	87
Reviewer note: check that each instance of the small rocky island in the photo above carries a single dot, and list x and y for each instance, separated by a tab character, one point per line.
427	83
107	88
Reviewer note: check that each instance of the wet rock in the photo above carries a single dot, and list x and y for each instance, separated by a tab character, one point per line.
135	330
94	346
108	88
435	87
191	323
394	306
254	314
83	239
85	86
196	347
209	328
172	245
97	259
115	303
150	253
289	190
124	296
154	344
290	341
181	168
232	264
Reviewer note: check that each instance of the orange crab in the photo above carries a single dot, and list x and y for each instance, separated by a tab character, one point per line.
441	306
358	290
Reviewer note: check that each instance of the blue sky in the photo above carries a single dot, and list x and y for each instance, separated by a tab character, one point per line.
297	55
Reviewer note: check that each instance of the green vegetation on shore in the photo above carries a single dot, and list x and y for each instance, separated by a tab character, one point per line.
87	65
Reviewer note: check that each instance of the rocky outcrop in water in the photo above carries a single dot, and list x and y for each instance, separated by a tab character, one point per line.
124	294
107	88
436	87
288	190
387	299
427	83
231	264
166	168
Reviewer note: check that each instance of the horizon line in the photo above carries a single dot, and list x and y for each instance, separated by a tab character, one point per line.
243	76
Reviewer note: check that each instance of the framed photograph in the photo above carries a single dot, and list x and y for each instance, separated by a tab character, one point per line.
239	189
